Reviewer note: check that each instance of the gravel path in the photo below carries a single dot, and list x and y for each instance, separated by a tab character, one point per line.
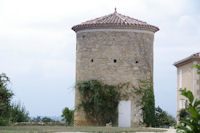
168	131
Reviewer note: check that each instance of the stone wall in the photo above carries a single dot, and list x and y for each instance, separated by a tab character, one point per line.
113	56
190	81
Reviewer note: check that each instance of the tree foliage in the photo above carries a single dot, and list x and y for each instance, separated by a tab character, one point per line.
9	112
36	119
18	113
183	114
47	119
163	119
5	99
99	100
190	124
68	116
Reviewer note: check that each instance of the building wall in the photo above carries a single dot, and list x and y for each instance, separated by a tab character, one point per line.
188	78
113	56
196	82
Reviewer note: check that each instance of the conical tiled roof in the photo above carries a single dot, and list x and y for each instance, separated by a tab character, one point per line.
116	21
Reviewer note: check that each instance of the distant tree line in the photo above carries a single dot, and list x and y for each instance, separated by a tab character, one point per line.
43	119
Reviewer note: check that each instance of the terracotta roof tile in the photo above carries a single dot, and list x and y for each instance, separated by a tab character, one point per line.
115	20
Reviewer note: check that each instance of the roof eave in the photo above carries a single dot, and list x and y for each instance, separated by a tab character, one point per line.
152	28
186	61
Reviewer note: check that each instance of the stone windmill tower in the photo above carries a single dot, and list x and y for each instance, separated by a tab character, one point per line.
115	49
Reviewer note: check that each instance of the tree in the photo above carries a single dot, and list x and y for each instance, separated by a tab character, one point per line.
163	119
9	112
47	119
36	119
68	116
18	113
5	99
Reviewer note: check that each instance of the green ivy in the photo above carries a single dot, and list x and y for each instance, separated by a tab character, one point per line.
147	101
99	101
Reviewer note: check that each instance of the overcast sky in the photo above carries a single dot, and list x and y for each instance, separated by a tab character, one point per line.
37	46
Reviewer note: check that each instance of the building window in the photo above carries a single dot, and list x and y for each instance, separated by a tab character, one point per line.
182	104
114	60
180	79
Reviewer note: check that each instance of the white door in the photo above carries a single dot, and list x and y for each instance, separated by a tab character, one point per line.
124	114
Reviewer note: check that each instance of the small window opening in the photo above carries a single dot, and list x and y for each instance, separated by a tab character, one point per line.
83	36
92	60
137	62
114	60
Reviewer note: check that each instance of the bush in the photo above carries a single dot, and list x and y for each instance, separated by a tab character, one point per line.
3	121
68	116
191	123
183	114
36	119
18	113
47	119
163	119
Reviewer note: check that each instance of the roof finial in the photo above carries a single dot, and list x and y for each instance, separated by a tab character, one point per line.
115	10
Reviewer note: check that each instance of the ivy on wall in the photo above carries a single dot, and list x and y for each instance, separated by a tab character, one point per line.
147	101
99	100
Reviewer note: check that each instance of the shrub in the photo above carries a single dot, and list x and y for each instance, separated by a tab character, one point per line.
183	114
163	119
18	113
36	119
47	119
190	124
68	116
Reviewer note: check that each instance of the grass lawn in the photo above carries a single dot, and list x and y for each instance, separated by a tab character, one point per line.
52	129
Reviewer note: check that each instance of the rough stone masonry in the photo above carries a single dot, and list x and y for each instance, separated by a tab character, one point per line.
114	49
